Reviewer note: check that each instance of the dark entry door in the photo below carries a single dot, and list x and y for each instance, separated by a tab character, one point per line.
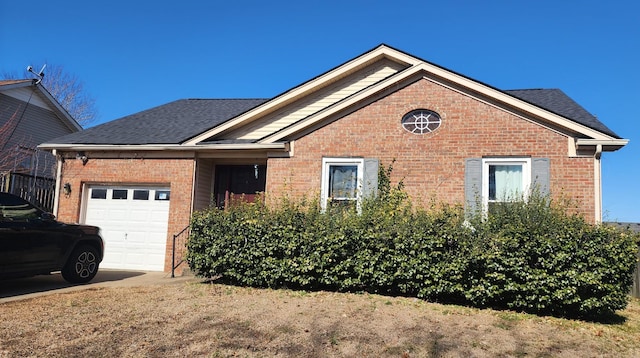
238	182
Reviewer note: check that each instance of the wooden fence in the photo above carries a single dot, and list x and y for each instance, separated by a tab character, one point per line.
37	190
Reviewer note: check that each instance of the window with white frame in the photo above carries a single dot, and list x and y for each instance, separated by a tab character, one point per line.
342	182
504	180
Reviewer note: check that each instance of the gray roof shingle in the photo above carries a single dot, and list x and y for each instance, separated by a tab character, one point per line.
178	121
171	123
556	101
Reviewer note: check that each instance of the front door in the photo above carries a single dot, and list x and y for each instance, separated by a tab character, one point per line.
238	183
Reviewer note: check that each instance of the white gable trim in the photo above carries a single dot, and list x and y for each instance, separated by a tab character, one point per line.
307	88
434	73
447	79
319	100
342	105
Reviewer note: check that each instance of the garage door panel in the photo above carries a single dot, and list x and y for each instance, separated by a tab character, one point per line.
118	215
114	254
140	217
134	229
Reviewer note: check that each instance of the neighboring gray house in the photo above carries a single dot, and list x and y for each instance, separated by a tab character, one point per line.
30	115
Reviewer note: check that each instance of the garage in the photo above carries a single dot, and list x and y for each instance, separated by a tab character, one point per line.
134	223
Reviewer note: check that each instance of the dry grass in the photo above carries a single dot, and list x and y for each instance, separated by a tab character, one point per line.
211	320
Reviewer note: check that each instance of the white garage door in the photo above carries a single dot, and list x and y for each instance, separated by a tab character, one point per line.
134	223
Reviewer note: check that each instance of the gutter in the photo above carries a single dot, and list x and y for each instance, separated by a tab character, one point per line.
164	147
597	183
606	145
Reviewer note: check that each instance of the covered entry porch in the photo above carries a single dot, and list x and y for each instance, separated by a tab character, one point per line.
220	182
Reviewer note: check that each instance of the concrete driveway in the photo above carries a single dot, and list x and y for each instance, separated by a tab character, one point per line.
19	289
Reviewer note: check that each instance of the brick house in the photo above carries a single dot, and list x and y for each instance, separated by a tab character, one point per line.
453	139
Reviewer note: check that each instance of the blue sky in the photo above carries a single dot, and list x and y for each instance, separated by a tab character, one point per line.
134	55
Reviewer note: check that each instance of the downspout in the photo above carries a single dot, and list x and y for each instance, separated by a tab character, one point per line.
597	171
194	182
56	195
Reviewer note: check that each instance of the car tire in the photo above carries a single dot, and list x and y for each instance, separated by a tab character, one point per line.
82	265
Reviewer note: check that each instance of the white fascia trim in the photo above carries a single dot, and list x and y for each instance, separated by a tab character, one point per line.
310	86
608	145
455	78
349	101
515	102
61	110
168	147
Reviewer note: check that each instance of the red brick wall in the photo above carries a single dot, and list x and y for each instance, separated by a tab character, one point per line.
432	165
177	173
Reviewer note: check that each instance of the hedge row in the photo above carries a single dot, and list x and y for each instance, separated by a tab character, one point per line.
529	256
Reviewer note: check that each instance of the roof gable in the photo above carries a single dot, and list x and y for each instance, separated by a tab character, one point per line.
327	89
347	87
304	106
316	101
24	90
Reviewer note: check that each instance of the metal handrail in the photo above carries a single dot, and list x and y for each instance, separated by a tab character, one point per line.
173	252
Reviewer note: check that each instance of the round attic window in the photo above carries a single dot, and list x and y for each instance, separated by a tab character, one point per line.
421	121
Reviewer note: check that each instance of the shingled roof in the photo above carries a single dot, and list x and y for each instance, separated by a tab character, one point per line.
171	123
178	121
556	101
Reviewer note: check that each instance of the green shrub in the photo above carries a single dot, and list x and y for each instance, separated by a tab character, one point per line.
526	255
538	258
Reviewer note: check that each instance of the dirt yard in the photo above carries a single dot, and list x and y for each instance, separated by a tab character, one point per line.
211	320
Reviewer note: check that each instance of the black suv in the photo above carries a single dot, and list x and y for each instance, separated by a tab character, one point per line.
32	242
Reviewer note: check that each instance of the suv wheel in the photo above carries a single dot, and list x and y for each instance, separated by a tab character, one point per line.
82	265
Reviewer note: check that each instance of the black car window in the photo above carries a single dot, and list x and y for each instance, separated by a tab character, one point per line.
13	208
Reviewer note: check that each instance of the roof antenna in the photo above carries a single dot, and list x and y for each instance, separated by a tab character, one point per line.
39	74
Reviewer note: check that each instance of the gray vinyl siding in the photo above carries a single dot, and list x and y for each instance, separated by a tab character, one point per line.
35	125
27	94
